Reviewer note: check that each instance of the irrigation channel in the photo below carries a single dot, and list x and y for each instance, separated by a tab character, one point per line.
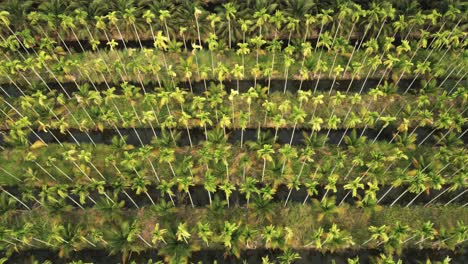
234	135
276	85
408	256
201	199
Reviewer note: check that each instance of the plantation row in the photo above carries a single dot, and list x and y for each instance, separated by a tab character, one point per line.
283	128
176	232
139	137
232	22
168	68
89	110
217	165
361	86
97	195
251	256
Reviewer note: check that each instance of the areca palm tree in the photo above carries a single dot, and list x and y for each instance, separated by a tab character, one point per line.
227	188
324	18
165	187
204	120
139	185
248	187
158	234
167	155
353	188
265	153
298	116
337	239
182	233
123	239
230	13
288	153
204	232
184	184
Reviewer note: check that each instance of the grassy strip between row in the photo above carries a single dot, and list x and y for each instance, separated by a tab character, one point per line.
232	229
216	163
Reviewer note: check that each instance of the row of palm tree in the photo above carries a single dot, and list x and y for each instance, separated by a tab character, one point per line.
231	21
301	62
99	194
218	165
178	109
177	238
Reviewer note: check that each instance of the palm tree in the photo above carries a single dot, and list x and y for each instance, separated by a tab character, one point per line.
166	188
245	24
227	188
243	50
197	13
139	186
204	120
298	116
265	153
182	233
122	239
311	187
184	184
378	234
248	187
417	183
158	234
167	155
287	154
257	42
210	184
353	188
204	232
230	13
336	239
238	73
249	96
324	18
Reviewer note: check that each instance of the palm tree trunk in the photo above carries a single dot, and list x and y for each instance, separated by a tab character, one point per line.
149	197
385	194
190	197
344	198
285	79
209	197
242	137
414	199
435	198
292	135
263	170
456	197
398	198
15	198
